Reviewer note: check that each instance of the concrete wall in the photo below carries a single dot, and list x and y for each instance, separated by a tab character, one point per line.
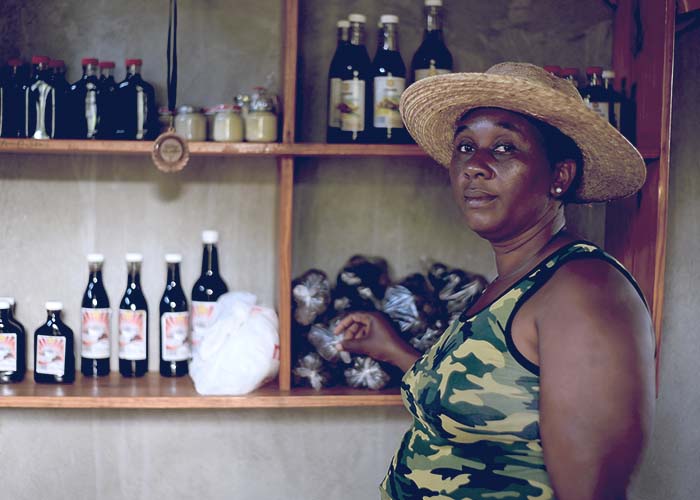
56	209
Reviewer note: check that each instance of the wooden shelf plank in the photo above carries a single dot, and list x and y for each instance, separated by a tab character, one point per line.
156	392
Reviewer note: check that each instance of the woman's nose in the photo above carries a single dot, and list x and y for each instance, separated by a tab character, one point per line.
478	165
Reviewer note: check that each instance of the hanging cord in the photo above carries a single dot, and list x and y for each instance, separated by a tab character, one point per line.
172	55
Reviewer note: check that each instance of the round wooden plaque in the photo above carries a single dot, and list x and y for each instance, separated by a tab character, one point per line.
170	152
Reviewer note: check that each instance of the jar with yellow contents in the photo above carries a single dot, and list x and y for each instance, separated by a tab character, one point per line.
261	120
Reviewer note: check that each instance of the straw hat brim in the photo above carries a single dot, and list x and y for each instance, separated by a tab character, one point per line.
430	108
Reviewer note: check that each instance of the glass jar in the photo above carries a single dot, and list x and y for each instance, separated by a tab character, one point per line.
261	120
191	124
228	124
165	119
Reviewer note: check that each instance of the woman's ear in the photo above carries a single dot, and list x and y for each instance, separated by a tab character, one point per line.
563	176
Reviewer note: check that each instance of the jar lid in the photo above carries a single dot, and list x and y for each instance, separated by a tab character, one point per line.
106	64
357	18
88	60
227	108
132	62
185	110
40	60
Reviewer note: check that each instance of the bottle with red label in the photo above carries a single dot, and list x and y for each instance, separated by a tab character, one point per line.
84	99
54	358
95	319
207	289
133	322
174	323
13	346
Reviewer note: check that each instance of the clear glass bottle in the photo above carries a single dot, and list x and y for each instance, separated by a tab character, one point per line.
207	289
356	86
84	101
13	346
174	323
335	81
389	82
432	57
133	322
137	117
95	322
54	357
261	120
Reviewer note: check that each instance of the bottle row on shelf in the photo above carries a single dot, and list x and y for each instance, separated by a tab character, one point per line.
181	327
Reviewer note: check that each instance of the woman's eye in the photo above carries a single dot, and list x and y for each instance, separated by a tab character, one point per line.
504	148
465	148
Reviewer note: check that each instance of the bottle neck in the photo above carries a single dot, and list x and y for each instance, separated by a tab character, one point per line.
89	70
210	260
594	80
107	73
433	19
343	36
389	37
607	83
134	270
14	71
95	272
40	71
357	34
53	316
5	315
132	70
174	274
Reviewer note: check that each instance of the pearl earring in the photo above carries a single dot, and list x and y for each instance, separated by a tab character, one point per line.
558	190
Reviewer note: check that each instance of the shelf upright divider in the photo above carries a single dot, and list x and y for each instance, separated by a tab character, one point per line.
286	190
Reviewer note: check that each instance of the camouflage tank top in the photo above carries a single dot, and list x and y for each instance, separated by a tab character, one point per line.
474	399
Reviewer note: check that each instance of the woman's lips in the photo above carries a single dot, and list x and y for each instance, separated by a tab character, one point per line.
478	199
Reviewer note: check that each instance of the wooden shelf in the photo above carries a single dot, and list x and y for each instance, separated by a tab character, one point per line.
156	392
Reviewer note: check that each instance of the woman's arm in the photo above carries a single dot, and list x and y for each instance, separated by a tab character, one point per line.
596	355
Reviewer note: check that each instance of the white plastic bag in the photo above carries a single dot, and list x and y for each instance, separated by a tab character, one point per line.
240	348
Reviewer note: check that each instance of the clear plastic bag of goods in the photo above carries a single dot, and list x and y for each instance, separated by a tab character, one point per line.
239	351
311	371
328	344
311	294
361	284
366	373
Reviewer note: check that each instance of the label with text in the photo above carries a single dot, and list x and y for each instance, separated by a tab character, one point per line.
51	355
8	352
94	329
132	335
352	107
174	328
387	92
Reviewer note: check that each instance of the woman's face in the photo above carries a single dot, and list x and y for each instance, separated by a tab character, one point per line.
501	177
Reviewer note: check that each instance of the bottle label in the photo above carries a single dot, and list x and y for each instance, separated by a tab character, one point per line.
51	355
387	92
8	352
132	335
91	110
432	71
352	107
334	102
598	107
95	333
174	327
202	315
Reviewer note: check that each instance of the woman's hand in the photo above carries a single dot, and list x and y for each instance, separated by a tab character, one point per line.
373	334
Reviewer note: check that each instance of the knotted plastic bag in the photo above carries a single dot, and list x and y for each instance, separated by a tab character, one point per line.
239	351
311	370
365	372
327	343
312	294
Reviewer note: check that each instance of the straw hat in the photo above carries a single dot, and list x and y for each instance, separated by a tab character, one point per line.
430	108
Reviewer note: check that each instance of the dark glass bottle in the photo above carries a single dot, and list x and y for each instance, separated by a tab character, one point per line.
106	98
54	358
571	75
60	128
335	81
133	322
616	101
137	118
388	82
95	319
84	101
594	94
207	289
432	57
13	110
37	99
174	323
356	86
13	346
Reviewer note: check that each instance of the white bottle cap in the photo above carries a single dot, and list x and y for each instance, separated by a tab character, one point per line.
95	258
134	257
343	23
10	300
54	306
210	237
357	18
433	3
608	73
4	304
173	258
389	19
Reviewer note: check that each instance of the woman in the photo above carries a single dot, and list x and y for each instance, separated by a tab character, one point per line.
544	388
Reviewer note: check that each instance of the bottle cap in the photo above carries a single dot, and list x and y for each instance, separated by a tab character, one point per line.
433	3
608	73
106	64
40	60
134	257
54	306
357	18
187	110
569	72
173	258
95	258
88	60
210	237
57	63
389	19
131	62
555	70
11	300
594	70
343	23
14	62
4	304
